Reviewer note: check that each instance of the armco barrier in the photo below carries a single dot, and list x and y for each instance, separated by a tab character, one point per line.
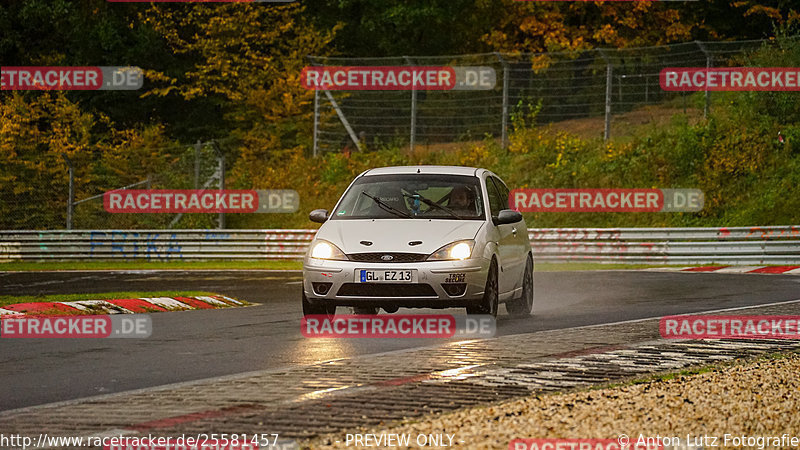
158	245
735	245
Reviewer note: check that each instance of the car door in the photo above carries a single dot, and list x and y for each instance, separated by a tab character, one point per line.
522	244
506	251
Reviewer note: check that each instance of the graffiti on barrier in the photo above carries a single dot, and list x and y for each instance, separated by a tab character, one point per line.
574	234
774	233
133	245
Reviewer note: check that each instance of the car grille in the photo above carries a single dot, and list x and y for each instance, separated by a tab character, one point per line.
396	257
386	290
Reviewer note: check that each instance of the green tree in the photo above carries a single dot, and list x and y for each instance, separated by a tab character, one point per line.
412	27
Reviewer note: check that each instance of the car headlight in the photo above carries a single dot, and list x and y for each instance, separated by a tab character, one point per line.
453	251
325	250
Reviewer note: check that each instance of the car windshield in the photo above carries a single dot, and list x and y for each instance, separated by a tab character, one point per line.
412	196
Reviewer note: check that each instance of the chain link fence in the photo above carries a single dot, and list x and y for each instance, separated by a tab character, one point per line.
561	86
75	199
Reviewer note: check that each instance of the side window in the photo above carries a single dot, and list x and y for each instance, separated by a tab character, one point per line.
495	199
504	193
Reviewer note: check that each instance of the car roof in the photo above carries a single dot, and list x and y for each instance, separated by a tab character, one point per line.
439	170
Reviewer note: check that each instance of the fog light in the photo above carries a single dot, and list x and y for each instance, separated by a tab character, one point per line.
321	288
454	289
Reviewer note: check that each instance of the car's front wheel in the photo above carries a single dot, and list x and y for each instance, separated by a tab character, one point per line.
320	308
489	303
522	306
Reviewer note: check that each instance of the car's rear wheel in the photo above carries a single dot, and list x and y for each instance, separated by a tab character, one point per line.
522	306
489	303
318	308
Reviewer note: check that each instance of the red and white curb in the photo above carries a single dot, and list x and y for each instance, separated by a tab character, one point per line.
122	306
774	270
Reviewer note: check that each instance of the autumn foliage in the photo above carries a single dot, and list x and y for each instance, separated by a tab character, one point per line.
230	73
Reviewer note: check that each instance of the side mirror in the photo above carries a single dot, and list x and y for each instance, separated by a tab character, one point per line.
319	215
507	216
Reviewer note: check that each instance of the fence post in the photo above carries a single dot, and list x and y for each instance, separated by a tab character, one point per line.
709	63
609	80
413	110
221	168
71	200
504	133
197	148
316	120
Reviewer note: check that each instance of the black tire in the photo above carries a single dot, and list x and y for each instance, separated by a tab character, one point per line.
523	306
365	310
314	309
489	304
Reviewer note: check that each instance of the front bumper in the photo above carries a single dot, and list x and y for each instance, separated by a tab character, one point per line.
440	284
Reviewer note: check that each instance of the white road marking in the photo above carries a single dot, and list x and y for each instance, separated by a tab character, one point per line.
232	300
738	269
86	305
166	302
212	300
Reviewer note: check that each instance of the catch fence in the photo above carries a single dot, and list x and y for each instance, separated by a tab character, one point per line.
553	87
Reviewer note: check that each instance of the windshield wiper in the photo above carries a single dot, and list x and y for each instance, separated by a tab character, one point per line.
435	204
387	207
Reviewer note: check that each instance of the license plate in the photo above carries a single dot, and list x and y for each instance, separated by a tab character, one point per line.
386	276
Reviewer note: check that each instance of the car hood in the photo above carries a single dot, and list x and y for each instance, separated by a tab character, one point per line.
393	235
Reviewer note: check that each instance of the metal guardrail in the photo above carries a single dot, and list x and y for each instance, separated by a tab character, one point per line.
157	245
735	245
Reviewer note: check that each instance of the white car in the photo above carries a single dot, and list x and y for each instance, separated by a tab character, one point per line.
420	236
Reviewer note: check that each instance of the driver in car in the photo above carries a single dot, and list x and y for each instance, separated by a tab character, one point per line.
462	200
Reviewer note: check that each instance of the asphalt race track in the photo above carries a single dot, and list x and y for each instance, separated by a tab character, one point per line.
195	345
